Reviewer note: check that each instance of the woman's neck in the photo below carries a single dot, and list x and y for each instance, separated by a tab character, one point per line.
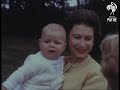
76	60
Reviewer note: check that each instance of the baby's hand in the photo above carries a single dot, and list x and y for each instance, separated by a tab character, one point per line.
4	88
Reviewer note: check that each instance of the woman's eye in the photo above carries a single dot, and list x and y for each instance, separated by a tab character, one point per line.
76	37
88	38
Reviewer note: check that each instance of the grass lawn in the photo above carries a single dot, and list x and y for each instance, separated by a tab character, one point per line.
14	50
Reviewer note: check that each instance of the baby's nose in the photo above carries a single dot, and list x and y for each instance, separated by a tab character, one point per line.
52	44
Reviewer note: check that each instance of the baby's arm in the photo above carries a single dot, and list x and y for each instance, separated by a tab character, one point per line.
15	78
25	72
4	88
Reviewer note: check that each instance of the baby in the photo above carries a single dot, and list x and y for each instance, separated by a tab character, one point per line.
43	70
110	59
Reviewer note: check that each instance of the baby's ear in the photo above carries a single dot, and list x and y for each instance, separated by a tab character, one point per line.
39	40
39	43
65	44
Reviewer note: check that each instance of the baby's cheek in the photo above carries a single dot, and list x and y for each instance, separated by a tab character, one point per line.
103	64
115	66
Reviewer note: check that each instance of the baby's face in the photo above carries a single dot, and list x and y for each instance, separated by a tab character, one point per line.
109	67
52	43
110	55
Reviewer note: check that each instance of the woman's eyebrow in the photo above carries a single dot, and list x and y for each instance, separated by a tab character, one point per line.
90	36
76	34
80	35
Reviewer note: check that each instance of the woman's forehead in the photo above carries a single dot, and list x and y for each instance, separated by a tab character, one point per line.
82	29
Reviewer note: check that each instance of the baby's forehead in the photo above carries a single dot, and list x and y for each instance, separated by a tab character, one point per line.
53	28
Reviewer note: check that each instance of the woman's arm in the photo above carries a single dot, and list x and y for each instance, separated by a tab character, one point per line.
95	81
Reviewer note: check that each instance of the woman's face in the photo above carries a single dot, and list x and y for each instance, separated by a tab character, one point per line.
81	40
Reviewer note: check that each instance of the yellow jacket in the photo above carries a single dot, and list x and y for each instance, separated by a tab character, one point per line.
86	76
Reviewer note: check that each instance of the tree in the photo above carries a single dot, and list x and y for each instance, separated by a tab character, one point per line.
78	4
34	14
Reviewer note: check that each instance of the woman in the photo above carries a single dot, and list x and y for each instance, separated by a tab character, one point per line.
110	60
81	71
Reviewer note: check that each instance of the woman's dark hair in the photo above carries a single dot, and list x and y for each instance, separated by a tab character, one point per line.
87	17
84	16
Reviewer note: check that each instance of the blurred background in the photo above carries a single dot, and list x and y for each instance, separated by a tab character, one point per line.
22	21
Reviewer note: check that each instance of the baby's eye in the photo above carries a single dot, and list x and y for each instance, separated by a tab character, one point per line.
47	41
56	42
76	37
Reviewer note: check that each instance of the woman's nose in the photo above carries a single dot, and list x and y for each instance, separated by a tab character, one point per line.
81	43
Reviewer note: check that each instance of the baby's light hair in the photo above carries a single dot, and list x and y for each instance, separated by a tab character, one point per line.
110	51
110	58
109	46
53	27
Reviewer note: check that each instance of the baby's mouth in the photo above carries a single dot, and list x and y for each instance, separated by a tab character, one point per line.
51	51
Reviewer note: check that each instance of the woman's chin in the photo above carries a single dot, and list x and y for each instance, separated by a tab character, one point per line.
81	56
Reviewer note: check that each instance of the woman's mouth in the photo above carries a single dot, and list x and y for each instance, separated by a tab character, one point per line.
81	50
